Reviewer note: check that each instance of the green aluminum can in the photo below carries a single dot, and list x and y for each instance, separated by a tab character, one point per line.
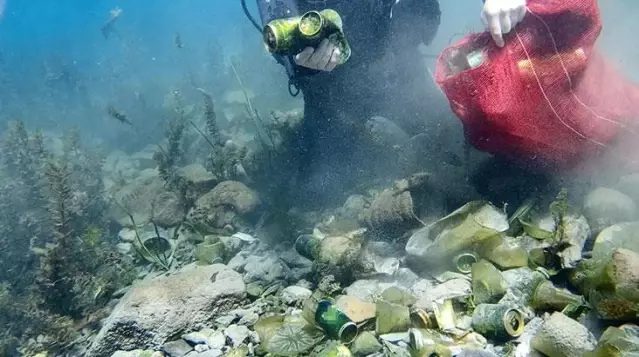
334	322
289	36
307	246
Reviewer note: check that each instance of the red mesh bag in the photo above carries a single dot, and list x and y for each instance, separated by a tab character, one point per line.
548	98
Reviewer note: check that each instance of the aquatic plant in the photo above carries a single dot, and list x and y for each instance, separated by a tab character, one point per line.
154	256
170	158
58	265
558	210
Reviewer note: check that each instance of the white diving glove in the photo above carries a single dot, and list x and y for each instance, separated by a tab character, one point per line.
501	16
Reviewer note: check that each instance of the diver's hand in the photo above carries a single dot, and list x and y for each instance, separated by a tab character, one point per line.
501	16
323	58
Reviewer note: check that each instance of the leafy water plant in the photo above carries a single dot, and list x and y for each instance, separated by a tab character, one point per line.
154	248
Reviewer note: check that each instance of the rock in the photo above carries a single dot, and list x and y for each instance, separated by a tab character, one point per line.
561	336
125	248
156	309
137	353
201	178
207	353
524	348
212	338
147	199
475	353
354	207
144	159
629	185
611	285
225	207
201	348
119	166
265	268
604	207
295	294
237	334
365	344
176	348
232	193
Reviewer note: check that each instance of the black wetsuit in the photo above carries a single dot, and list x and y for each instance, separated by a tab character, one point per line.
384	76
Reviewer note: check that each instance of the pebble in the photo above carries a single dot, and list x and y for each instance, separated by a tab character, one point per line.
237	334
212	338
295	294
201	347
178	348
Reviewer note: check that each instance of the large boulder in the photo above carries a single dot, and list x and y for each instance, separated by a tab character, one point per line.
227	207
157	309
147	199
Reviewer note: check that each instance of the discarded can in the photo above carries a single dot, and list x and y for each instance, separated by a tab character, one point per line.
334	322
444	314
307	246
464	261
420	319
391	317
423	343
290	36
548	296
498	321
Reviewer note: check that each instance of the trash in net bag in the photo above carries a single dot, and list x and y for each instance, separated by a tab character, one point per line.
548	98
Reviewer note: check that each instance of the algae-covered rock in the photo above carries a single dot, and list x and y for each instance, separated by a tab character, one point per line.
391	208
365	344
611	284
561	336
202	179
148	200
465	229
339	250
620	341
228	205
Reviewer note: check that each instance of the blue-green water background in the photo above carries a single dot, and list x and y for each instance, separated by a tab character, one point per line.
44	35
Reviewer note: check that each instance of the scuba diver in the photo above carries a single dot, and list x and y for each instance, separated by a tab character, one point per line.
385	76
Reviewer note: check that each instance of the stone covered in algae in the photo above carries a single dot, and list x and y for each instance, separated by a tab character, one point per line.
561	336
611	284
620	341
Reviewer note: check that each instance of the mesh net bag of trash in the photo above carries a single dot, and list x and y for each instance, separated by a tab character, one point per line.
548	99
